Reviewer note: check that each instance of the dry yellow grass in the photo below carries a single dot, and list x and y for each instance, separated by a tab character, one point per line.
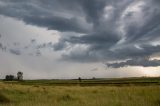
39	95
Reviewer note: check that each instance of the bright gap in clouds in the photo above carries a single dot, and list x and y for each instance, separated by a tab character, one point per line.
18	31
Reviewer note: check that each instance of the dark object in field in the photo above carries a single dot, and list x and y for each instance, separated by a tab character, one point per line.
20	75
13	78
4	99
79	79
9	77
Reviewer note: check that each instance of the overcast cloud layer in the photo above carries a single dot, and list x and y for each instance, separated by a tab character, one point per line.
108	31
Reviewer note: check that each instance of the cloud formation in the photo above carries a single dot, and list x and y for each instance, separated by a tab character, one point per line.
145	62
102	30
50	14
14	51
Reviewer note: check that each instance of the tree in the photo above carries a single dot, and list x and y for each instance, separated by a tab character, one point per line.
20	75
79	79
9	77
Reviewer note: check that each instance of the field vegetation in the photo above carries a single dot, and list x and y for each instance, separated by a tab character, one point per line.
93	92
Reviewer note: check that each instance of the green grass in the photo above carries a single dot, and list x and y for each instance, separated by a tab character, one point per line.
38	93
93	82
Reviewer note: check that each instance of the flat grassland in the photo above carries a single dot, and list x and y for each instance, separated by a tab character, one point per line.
89	92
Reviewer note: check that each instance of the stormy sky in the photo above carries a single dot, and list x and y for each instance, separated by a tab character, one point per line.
80	38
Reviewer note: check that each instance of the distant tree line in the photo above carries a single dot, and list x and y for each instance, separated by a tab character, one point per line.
12	77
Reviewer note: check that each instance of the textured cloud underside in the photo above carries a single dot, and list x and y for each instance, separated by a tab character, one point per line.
95	30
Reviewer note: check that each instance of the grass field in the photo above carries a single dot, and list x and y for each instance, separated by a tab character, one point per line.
94	92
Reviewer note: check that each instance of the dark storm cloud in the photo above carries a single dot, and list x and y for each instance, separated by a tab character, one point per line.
136	62
102	38
50	14
104	44
104	30
60	45
150	28
93	10
57	23
15	52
